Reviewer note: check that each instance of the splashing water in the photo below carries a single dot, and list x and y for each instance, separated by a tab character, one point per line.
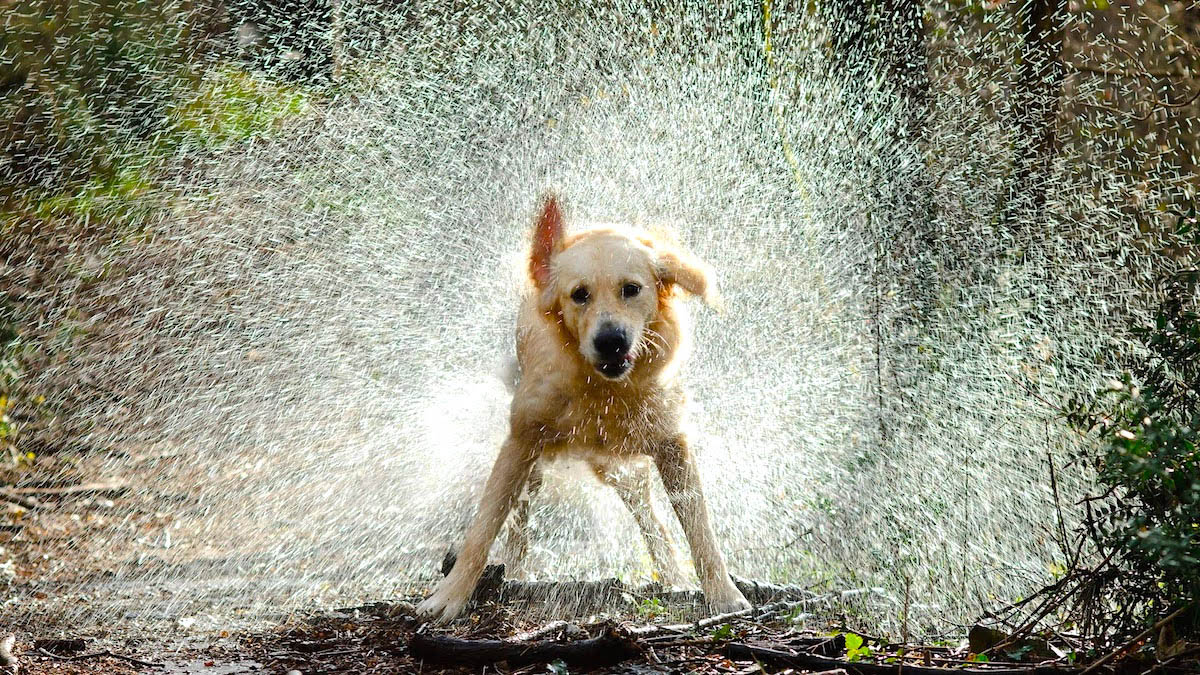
303	343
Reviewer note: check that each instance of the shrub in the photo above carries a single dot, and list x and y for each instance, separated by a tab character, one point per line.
1149	463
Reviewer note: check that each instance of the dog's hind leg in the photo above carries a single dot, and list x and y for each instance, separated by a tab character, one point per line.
516	540
499	495
631	480
677	466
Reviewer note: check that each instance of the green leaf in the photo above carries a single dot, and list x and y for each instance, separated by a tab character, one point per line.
558	667
853	642
725	632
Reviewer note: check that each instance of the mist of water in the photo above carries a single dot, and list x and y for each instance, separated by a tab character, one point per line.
304	346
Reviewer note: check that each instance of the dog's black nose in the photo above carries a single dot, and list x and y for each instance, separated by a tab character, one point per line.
611	342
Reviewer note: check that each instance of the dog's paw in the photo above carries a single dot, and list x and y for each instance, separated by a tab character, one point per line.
727	600
727	606
442	606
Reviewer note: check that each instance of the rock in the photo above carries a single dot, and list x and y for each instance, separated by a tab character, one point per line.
1031	648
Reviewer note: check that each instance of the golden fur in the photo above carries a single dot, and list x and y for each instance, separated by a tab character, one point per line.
623	414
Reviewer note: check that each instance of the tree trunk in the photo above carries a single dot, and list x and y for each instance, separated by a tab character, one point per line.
1036	105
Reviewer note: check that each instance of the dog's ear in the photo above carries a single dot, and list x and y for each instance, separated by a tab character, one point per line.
547	241
674	267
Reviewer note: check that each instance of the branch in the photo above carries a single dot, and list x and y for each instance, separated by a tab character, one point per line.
103	654
802	660
1136	639
608	648
90	489
1120	72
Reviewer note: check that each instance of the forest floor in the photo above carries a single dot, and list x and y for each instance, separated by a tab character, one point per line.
68	528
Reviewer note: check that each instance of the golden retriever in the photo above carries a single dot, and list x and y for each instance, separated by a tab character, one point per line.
599	343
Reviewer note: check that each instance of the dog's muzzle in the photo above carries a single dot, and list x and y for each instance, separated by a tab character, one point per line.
612	351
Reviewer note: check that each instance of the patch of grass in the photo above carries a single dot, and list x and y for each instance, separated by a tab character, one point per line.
118	199
232	106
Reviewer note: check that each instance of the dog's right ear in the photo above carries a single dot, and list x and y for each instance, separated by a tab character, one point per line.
547	241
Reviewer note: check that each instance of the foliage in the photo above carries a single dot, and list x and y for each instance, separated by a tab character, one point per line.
84	83
1148	464
725	632
233	105
100	103
94	93
856	648
648	608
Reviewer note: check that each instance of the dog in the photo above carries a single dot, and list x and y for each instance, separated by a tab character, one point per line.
600	341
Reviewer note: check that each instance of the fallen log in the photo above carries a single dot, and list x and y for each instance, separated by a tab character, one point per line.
588	596
804	660
608	648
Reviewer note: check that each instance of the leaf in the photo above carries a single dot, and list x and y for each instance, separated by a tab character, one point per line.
558	667
853	642
725	632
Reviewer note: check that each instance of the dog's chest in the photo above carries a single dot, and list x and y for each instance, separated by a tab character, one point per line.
618	425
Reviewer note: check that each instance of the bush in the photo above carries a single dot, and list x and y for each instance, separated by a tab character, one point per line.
1149	462
83	85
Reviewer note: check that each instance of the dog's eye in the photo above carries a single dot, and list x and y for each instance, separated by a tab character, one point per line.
580	295
630	290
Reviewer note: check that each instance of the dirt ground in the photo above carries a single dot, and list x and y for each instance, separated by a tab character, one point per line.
68	527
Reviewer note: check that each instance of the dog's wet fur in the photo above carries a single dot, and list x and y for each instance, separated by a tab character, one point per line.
599	343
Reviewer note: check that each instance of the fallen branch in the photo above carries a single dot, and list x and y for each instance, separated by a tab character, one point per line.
1136	639
606	649
19	500
745	652
754	614
100	655
543	632
88	489
581	597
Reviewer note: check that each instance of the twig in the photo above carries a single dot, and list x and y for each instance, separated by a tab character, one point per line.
1120	72
696	626
742	651
21	500
99	655
539	633
83	488
1137	638
1062	527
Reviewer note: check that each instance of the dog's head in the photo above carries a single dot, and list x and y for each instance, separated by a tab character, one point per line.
610	286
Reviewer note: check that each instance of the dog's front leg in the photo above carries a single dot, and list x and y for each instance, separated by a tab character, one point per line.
502	490
680	477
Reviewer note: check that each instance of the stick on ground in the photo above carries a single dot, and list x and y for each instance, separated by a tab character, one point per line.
806	661
604	650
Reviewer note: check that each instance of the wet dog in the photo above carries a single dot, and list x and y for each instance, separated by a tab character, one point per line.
600	341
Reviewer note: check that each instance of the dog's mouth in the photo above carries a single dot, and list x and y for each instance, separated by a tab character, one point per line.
615	369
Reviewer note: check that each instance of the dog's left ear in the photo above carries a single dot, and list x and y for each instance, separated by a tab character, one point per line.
548	235
547	240
674	267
